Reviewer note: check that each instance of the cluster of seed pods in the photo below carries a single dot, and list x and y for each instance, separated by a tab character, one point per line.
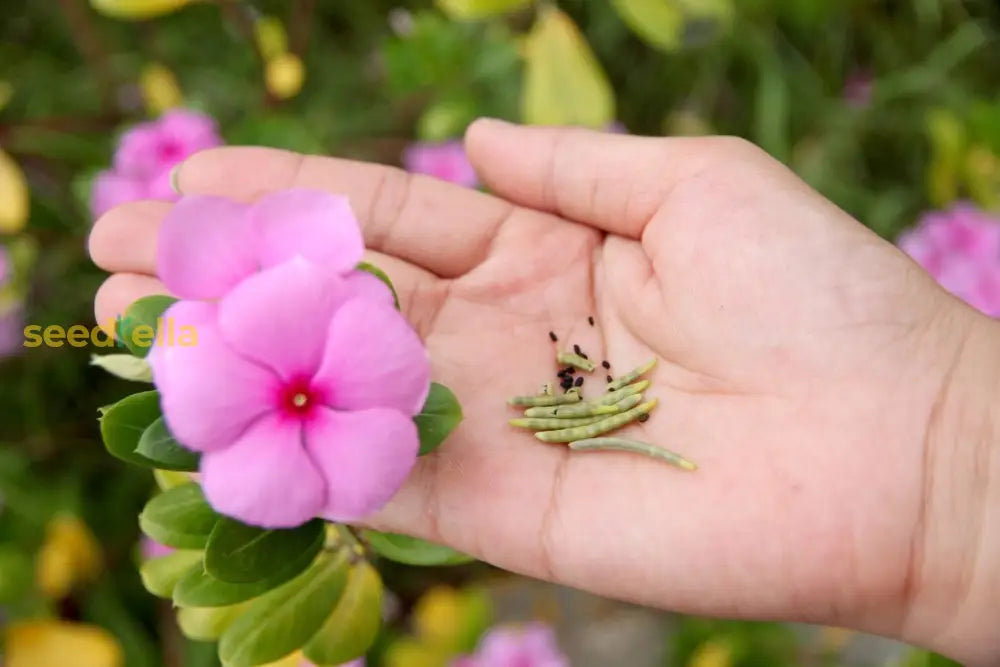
583	423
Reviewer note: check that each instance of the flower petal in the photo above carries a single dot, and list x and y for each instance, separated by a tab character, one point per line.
364	456
208	393
364	284
374	358
265	478
316	225
206	246
280	317
112	189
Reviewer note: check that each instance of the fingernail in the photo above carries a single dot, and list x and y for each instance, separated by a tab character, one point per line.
174	175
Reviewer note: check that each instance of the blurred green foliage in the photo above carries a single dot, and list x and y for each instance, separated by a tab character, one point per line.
888	108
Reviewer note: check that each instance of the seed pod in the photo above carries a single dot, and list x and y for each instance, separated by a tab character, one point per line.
550	423
597	428
584	409
575	360
632	375
546	389
613	397
546	399
634	446
628	403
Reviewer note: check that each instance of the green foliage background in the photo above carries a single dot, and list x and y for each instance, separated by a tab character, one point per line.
776	75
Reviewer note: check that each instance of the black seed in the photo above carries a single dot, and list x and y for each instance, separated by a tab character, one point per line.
576	348
570	370
579	382
643	418
584	356
606	365
552	335
610	379
591	320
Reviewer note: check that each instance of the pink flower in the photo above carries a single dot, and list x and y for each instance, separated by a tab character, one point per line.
858	89
207	245
961	249
532	646
446	160
300	392
147	153
11	330
150	549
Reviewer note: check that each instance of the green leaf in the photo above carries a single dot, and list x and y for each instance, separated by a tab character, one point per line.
157	445
354	624
160	575
241	554
466	10
137	328
439	417
381	275
282	621
123	424
564	83
413	551
180	518
671	25
198	588
206	624
125	366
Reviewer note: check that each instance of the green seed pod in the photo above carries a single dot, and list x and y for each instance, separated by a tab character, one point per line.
615	396
546	399
575	360
634	446
584	409
603	426
549	423
632	375
628	403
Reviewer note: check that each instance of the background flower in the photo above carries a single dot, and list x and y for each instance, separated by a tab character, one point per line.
960	247
445	160
147	153
531	646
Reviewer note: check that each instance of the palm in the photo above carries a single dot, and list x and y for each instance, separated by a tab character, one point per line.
775	329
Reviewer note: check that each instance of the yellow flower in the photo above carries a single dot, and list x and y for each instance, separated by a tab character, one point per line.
69	555
284	75
13	196
160	89
713	653
47	643
137	10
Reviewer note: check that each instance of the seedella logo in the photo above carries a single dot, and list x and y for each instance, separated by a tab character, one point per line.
127	334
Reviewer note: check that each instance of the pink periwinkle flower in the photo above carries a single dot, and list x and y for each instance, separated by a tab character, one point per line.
961	249
11	330
207	245
147	153
302	385
445	160
150	548
858	89
531	646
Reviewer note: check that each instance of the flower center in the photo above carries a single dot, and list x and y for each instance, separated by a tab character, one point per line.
298	398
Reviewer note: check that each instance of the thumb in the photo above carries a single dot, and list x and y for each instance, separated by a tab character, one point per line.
610	181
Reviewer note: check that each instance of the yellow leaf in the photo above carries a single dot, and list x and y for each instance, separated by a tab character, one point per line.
982	176
712	653
438	615
284	75
411	653
137	10
13	196
272	40
49	643
466	10
69	555
160	89
563	82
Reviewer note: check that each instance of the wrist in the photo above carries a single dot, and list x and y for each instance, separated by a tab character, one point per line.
953	591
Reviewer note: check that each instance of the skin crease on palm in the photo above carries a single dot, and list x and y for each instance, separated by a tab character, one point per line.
835	399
